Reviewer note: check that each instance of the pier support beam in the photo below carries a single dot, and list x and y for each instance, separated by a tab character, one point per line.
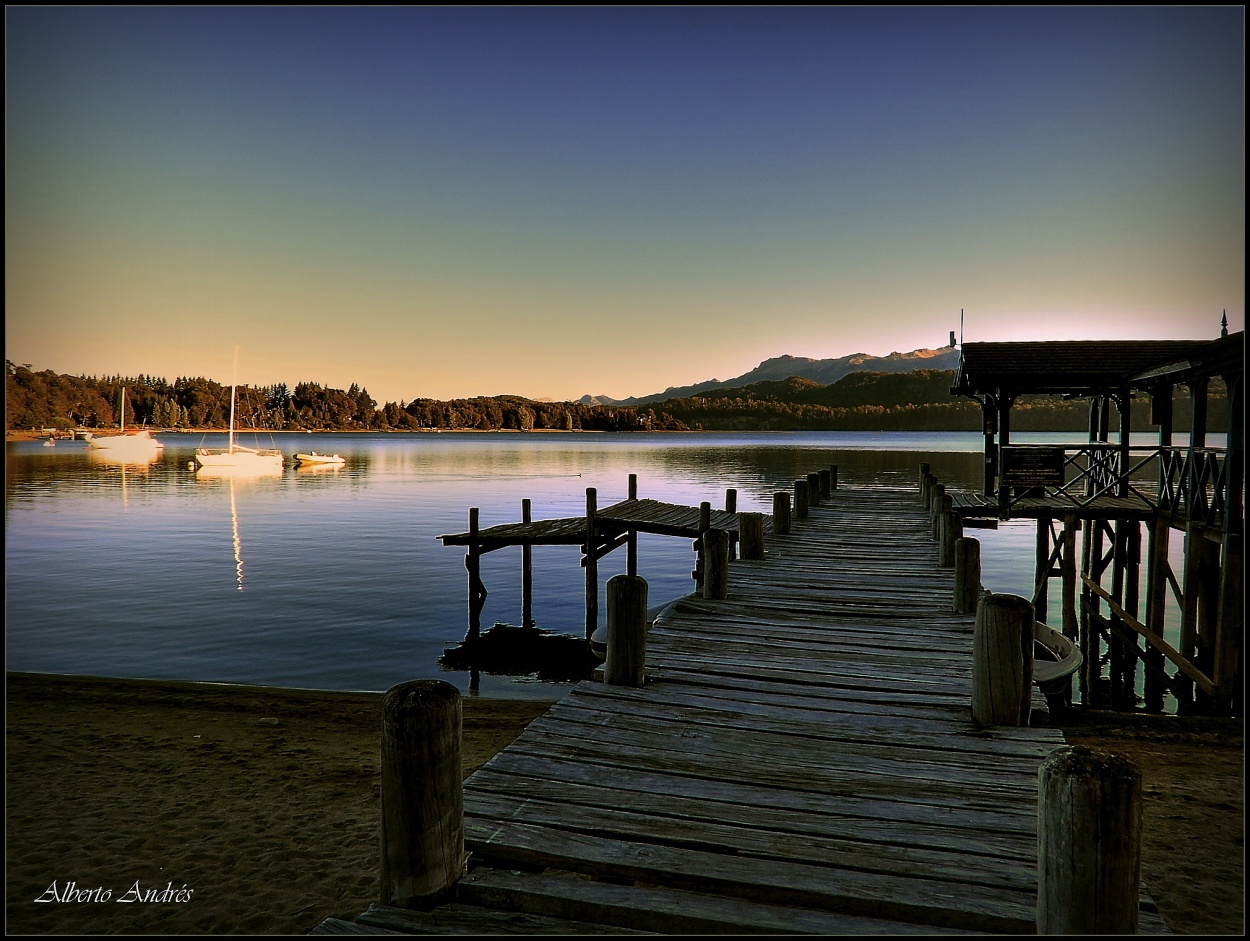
422	796
716	573
627	631
1002	661
751	527
781	513
1088	844
800	499
592	565
967	575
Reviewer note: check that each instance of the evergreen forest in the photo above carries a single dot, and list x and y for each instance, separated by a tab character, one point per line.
862	401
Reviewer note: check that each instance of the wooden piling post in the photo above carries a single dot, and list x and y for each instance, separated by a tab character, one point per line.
967	575
800	499
826	485
421	792
627	631
631	548
477	591
592	565
949	532
700	545
1088	843
716	574
751	526
936	495
527	572
833	478
731	506
924	478
813	489
781	513
1002	661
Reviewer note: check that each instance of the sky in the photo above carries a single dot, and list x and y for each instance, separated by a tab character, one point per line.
551	202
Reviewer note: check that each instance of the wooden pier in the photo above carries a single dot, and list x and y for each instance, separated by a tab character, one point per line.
800	759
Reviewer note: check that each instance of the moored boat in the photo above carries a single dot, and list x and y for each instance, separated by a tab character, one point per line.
312	457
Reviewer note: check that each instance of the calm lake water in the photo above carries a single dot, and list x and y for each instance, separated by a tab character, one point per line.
334	578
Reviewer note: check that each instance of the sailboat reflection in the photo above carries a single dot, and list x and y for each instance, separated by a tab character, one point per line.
120	458
232	474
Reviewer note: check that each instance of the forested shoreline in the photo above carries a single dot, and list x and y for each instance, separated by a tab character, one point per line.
862	401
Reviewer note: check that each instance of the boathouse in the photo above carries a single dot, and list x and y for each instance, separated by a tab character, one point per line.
1110	490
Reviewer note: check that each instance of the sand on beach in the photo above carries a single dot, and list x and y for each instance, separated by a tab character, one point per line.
241	810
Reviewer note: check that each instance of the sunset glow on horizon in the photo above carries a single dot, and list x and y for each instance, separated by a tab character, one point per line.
445	202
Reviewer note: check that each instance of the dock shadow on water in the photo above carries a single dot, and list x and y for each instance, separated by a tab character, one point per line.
512	650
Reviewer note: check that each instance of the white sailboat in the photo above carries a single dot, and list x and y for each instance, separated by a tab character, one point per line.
238	457
136	447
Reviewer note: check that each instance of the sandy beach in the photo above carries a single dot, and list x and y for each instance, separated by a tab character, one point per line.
245	810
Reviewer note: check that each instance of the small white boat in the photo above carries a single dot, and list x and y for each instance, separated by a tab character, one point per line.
1055	659
312	457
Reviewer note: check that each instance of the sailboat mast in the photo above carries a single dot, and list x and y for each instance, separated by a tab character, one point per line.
234	383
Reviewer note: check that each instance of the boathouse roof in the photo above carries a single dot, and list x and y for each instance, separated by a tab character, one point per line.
1091	367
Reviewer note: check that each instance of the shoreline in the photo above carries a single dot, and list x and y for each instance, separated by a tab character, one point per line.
263	802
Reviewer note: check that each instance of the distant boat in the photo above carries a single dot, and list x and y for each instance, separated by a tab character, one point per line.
138	446
238	456
312	457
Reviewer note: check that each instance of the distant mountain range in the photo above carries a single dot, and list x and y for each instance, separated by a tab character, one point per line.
823	371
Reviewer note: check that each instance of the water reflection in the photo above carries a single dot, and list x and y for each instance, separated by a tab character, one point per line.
347	585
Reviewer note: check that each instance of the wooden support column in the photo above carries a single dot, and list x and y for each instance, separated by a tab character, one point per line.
1002	661
751	526
527	572
923	480
1157	568
422	798
1088	844
700	545
1005	402
716	575
1041	568
949	531
781	513
1067	564
731	506
967	575
800	499
627	631
826	484
477	591
1230	626
935	510
1123	404
813	489
592	564
631	550
833	478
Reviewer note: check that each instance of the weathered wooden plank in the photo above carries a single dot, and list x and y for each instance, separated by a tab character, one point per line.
661	910
1015	845
774	881
470	919
1014	820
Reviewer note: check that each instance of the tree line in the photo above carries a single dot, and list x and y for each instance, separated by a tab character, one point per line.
866	401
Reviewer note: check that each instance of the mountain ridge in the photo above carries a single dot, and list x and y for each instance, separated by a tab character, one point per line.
779	368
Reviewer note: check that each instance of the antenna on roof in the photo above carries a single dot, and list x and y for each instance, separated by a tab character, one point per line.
1224	323
961	326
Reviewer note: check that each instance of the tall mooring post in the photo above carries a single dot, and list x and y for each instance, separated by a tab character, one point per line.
423	852
1088	844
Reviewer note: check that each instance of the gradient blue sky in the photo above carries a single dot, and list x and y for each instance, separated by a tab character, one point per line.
556	201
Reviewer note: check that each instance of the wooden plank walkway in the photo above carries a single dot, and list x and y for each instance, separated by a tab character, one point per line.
643	516
801	759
